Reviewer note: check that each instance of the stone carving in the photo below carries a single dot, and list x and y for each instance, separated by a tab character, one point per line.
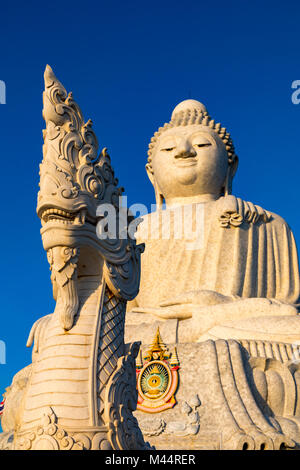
182	428
63	265
152	426
225	293
121	398
13	399
244	279
49	436
192	425
225	298
79	392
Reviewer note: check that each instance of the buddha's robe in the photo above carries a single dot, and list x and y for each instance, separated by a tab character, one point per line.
238	250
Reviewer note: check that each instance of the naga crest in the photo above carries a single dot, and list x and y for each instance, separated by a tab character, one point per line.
74	181
80	390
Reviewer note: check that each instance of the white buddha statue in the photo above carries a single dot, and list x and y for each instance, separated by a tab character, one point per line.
238	277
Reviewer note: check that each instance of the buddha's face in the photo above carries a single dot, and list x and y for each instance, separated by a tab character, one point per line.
189	161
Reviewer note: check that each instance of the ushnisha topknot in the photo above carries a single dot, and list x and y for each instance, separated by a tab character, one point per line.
190	112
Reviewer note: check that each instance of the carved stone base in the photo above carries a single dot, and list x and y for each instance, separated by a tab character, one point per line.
50	436
120	433
230	396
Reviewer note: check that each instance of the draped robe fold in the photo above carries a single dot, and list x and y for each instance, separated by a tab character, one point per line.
244	259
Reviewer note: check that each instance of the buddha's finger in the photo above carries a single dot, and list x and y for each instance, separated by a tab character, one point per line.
179	312
157	312
200	297
142	310
177	301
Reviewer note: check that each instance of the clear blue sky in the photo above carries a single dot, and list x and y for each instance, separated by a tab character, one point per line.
128	64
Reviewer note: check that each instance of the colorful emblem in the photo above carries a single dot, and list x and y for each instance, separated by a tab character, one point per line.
157	377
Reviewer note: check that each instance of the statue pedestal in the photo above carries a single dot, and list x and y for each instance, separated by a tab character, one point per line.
230	395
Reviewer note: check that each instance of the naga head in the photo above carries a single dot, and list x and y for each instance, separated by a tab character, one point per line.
74	181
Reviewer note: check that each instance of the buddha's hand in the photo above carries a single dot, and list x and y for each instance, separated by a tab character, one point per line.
180	312
186	305
199	297
227	310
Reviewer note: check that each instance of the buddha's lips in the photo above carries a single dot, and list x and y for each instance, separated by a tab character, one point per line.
185	161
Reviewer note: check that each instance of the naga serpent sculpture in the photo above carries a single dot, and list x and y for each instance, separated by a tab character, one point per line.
80	390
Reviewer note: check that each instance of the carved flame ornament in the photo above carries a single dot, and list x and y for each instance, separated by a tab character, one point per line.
157	377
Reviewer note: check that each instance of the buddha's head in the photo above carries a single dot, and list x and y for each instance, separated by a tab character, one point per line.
191	156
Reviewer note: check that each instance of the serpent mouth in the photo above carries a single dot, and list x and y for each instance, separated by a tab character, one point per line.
55	215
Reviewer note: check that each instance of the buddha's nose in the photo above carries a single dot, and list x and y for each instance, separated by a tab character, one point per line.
185	150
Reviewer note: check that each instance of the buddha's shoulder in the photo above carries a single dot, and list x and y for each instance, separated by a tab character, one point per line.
262	214
239	210
223	208
276	219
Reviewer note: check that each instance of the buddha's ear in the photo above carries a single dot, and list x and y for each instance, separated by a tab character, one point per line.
150	174
158	196
229	177
234	165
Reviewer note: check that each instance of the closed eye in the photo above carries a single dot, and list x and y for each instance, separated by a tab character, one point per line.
202	145
169	149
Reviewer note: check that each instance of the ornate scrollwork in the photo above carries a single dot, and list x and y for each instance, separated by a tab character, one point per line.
121	398
75	180
70	147
49	436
